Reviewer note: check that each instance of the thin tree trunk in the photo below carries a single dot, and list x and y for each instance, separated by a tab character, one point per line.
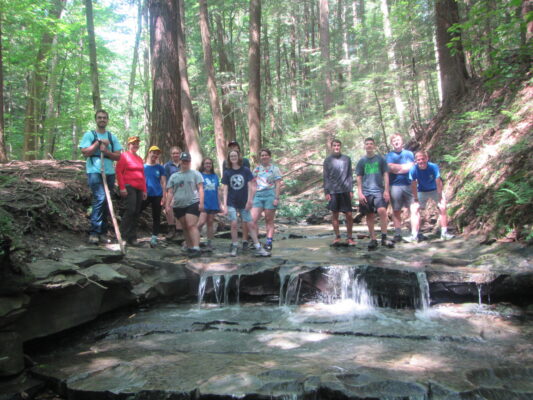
382	125
97	102
218	119
269	90
147	115
393	64
51	108
134	61
254	91
292	66
166	118
3	152
527	9
34	100
76	125
324	51
190	128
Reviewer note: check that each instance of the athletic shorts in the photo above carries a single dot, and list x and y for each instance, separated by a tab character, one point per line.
211	211
340	202
192	209
373	202
401	196
245	214
423	198
265	199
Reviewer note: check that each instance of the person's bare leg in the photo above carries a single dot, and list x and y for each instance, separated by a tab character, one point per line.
269	222
256	215
383	220
244	232
415	218
252	230
210	226
349	223
185	232
234	232
190	223
202	220
335	223
397	219
370	224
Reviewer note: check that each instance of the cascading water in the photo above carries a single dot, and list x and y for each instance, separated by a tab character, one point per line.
201	288
424	299
217	287
348	283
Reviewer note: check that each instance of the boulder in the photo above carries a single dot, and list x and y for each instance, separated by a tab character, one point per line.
11	355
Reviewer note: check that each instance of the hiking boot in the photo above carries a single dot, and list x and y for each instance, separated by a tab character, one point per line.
421	238
153	241
94	239
233	250
350	242
387	243
268	246
446	236
193	253
245	246
397	238
260	252
373	244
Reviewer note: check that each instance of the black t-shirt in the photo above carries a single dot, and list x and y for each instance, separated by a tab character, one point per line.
245	163
237	181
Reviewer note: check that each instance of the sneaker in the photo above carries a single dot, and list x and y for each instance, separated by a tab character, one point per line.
268	246
260	252
446	236
336	241
373	244
245	245
193	253
94	239
153	242
397	238
233	250
421	238
350	242
387	243
105	239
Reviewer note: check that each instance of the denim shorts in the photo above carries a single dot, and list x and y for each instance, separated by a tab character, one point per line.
265	199
245	214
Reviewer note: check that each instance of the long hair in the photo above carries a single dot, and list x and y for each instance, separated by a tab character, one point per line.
239	161
202	165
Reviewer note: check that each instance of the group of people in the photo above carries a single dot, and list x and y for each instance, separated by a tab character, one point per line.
404	179
190	198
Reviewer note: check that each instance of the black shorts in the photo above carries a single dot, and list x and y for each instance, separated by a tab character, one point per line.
372	204
211	211
340	202
192	209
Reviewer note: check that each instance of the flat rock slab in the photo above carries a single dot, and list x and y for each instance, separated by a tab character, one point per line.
330	351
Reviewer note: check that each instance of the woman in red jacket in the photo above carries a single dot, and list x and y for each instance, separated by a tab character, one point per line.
132	185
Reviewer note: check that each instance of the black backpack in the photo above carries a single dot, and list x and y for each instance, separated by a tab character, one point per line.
97	153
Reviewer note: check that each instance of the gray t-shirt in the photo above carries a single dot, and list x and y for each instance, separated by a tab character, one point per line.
372	170
185	187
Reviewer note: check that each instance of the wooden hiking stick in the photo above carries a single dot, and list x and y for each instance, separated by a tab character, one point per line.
110	205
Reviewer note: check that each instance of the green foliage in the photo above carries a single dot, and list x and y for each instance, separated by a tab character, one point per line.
298	210
512	193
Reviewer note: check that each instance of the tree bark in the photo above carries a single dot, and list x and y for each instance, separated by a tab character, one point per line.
254	91
453	74
166	117
527	8
147	115
190	128
324	51
32	122
292	66
52	112
218	119
3	152
97	102
134	62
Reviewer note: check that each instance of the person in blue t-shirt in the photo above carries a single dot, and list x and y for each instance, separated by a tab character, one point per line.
238	193
211	199
156	188
92	145
426	184
400	162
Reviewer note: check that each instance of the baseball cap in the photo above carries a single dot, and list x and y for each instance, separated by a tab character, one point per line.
185	156
234	143
154	148
133	139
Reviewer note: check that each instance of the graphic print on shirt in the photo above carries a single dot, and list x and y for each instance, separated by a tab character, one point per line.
209	184
372	168
237	182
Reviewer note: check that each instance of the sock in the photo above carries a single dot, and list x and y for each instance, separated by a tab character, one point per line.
269	240
414	233
196	248
235	243
257	245
398	231
443	230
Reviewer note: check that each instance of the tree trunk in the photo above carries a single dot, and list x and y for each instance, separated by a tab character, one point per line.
254	91
166	118
527	9
190	128
147	115
52	112
393	64
134	61
76	124
218	119
292	66
97	103
269	89
3	152
324	51
452	67
32	123
228	109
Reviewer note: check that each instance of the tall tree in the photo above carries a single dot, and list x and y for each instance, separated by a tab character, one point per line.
129	110
218	119
3	152
34	100
97	102
190	127
452	65
324	51
166	119
254	91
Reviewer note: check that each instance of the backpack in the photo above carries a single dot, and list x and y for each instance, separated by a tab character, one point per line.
96	139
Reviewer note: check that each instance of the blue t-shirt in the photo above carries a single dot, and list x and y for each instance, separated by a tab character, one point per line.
426	178
92	165
211	183
237	181
170	168
153	174
403	157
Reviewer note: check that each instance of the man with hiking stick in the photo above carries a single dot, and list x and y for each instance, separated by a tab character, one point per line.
98	145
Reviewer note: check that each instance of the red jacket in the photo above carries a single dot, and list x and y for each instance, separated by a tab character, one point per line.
130	171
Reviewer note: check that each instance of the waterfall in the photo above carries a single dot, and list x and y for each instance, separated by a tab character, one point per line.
348	283
227	279
282	278
217	288
479	293
201	288
424	301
